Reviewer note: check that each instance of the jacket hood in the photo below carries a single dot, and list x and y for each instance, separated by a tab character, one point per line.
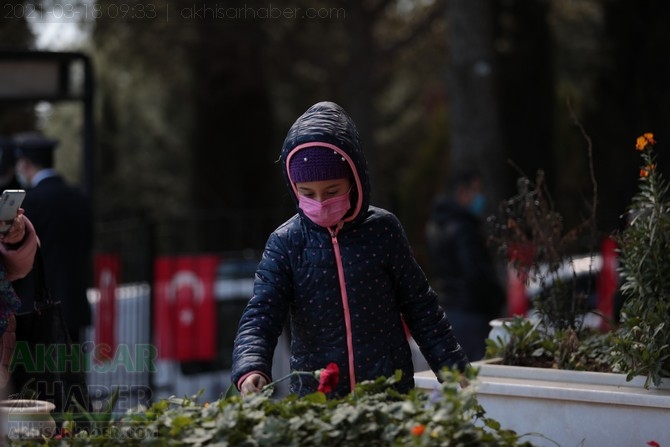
326	124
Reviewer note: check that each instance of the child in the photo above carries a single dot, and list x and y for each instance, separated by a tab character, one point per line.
342	270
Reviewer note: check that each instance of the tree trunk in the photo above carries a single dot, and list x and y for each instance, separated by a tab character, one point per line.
475	131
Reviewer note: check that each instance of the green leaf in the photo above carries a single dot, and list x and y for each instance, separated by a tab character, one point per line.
316	398
232	391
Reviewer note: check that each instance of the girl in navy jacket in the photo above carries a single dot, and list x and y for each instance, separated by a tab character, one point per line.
342	271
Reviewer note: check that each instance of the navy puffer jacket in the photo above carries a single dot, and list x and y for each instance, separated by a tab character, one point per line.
346	289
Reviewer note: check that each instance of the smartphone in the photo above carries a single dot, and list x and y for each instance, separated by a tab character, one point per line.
10	201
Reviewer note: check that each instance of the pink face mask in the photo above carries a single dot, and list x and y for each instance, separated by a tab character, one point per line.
326	213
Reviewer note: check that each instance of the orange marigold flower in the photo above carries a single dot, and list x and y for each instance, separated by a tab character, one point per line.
644	172
644	140
641	143
418	429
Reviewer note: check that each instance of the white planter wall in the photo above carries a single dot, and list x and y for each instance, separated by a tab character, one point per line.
570	408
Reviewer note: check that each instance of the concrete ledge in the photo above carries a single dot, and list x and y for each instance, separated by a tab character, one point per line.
570	408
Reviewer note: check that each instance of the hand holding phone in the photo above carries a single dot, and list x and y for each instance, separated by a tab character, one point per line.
10	202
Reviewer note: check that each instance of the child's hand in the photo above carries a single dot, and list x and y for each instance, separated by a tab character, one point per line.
252	384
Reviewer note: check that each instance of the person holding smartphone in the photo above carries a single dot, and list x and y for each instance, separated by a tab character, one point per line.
62	216
341	271
17	250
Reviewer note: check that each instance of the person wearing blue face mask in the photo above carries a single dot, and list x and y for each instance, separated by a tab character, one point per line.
477	204
463	272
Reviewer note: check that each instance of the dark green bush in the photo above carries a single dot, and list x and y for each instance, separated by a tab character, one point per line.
373	415
643	344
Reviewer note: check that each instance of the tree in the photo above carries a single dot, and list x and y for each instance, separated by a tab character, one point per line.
384	62
232	153
237	83
475	128
630	96
15	34
526	88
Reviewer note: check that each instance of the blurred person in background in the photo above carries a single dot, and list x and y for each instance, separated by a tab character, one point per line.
465	276
63	218
7	161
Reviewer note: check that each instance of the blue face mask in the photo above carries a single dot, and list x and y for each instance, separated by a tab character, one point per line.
477	204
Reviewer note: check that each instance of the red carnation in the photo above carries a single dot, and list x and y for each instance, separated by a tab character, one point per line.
328	378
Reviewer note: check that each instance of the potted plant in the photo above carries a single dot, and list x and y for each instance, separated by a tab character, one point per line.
643	342
26	419
587	380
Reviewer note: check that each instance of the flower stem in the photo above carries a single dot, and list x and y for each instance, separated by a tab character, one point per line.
288	376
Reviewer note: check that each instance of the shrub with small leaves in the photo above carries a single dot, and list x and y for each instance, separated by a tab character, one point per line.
529	233
529	344
373	415
643	344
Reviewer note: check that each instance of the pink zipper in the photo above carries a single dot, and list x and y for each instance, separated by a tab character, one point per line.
345	305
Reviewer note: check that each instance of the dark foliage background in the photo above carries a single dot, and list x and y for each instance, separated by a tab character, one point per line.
192	106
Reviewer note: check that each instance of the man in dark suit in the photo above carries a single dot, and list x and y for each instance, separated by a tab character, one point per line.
63	219
7	161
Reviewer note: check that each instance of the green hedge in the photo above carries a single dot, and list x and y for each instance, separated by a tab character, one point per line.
373	415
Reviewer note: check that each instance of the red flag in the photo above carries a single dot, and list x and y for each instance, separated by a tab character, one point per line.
608	282
185	313
163	324
521	258
107	268
517	299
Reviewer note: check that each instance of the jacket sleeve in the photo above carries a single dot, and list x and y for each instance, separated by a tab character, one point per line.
19	258
263	318
425	319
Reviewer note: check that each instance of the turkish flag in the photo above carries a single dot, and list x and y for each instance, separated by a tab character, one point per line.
107	268
163	323
185	308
